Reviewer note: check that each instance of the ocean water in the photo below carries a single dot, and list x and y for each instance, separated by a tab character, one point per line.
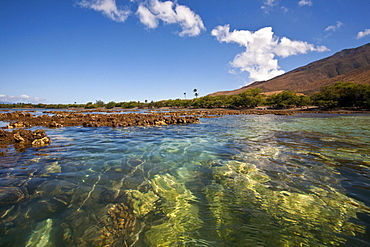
247	180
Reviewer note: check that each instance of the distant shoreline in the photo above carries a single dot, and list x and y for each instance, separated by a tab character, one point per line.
260	109
140	117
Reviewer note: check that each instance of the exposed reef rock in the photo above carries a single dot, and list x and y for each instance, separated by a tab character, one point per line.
26	137
64	119
125	119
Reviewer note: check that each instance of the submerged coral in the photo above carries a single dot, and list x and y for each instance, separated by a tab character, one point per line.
121	227
141	203
179	207
313	218
41	235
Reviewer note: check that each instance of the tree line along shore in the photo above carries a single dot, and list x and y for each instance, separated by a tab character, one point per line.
354	96
341	94
21	138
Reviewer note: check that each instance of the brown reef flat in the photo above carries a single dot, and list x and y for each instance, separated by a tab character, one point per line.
149	118
65	119
23	138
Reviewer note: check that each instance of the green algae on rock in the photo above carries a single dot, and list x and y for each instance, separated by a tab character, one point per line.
142	203
41	235
323	212
181	212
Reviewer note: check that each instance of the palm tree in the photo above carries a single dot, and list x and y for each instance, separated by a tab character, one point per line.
195	92
185	95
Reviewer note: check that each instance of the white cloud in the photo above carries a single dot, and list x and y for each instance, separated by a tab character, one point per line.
192	24
334	27
23	98
268	4
146	17
261	48
363	33
305	2
285	9
108	8
150	12
287	47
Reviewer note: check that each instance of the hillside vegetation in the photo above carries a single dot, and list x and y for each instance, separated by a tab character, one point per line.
341	94
348	65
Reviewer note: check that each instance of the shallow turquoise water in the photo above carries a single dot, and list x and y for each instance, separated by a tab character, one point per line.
248	180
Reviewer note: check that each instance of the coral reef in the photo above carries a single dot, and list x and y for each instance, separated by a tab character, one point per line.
180	209
22	137
64	119
41	234
317	212
121	228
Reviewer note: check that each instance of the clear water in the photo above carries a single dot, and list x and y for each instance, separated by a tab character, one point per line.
249	180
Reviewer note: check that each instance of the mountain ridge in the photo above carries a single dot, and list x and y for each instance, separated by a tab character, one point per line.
351	65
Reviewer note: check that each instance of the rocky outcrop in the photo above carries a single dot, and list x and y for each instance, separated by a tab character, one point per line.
64	119
36	139
150	118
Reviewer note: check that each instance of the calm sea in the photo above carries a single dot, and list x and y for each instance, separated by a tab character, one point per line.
247	180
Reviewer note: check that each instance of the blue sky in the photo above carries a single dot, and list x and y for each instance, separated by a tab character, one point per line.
66	51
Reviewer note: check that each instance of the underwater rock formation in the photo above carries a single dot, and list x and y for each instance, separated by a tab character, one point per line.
41	235
142	203
12	195
180	209
313	216
121	228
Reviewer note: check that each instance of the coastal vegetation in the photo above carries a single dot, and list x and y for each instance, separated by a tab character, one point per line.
340	94
343	94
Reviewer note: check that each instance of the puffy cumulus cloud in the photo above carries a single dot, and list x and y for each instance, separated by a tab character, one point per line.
108	8
287	47
363	33
146	17
191	23
261	49
23	98
150	12
305	2
334	27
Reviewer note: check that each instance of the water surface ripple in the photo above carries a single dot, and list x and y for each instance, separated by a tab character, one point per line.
247	180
